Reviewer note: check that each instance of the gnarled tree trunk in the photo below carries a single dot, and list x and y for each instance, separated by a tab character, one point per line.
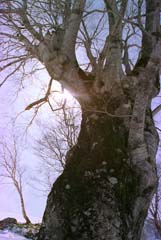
110	176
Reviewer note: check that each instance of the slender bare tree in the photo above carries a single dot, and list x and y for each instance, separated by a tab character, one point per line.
11	171
107	186
56	139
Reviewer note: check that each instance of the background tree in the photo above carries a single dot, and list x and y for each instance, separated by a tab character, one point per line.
11	171
107	186
56	139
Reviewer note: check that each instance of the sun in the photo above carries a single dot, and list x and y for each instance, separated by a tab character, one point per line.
60	94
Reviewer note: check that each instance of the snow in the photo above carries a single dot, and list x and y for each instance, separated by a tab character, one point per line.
8	235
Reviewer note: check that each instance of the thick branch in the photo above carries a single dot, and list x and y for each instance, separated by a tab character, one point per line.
152	29
72	29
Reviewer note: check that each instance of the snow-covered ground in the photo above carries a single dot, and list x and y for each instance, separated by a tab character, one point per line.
8	235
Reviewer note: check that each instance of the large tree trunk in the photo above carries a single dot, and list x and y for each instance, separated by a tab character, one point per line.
110	176
107	185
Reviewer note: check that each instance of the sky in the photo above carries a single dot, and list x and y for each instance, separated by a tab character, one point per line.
9	108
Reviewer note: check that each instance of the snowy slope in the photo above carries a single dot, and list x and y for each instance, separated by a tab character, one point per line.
8	235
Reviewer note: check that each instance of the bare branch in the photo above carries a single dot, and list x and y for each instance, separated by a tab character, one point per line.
42	100
73	27
156	110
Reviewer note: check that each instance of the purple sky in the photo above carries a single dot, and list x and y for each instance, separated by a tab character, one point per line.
9	108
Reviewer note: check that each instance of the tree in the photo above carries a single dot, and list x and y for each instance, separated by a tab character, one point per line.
12	170
106	188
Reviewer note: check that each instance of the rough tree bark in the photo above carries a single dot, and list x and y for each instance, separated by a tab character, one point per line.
110	176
